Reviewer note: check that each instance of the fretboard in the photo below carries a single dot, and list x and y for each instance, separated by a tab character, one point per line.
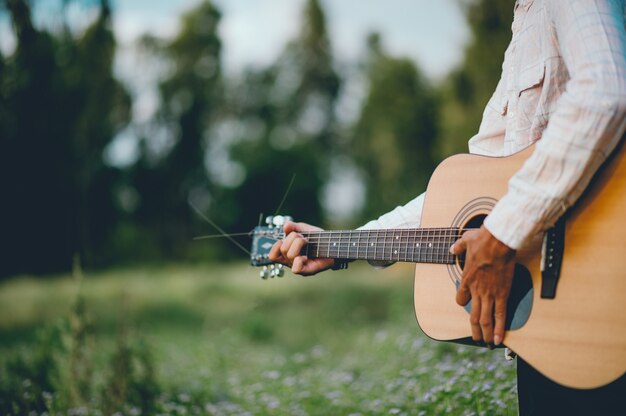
421	245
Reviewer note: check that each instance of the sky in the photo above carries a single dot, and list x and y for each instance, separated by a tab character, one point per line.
254	32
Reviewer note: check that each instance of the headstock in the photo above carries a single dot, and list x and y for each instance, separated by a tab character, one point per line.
263	238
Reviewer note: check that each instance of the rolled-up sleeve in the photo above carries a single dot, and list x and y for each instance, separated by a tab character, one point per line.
403	216
588	122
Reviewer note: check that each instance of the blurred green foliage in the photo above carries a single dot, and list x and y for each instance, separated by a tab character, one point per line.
469	87
219	341
289	113
230	144
396	131
190	94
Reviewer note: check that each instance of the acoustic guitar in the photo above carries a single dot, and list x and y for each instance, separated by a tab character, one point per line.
569	323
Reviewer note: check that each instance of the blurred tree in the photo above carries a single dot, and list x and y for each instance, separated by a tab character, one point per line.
468	88
288	128
191	97
61	106
396	131
104	111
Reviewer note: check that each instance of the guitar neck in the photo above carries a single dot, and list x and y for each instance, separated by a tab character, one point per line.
415	245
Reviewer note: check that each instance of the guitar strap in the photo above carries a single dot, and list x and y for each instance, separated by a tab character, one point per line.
551	258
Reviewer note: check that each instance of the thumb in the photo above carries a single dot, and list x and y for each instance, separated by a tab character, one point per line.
298	227
459	247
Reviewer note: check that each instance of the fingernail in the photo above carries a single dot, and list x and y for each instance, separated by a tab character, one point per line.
497	340
452	249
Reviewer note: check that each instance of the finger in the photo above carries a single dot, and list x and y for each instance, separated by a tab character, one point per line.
296	248
287	242
459	247
275	255
475	320
463	294
486	319
298	264
290	226
314	266
500	316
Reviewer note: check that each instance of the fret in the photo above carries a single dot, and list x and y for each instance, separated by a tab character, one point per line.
399	249
317	249
413	247
400	245
375	243
328	248
358	244
338	245
389	241
439	251
406	245
389	244
378	246
430	248
446	247
349	245
423	247
423	251
448	244
386	246
418	246
307	247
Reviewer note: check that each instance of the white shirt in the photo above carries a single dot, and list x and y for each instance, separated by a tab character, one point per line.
563	81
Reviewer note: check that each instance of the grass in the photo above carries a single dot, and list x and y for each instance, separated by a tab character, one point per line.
218	340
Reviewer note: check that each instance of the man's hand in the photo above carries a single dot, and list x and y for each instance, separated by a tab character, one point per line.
487	279
287	251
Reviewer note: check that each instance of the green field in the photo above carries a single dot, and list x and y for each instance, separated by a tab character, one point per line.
218	340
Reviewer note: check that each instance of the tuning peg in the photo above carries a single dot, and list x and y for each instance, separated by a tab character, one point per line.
269	220
279	220
264	273
274	270
280	270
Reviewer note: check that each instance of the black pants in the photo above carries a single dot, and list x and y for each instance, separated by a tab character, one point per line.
539	396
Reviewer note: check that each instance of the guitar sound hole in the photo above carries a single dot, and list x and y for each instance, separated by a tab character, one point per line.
474	223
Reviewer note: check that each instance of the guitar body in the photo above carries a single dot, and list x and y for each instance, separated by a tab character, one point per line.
577	339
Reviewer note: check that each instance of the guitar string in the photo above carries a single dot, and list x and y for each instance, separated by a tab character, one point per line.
394	230
438	253
218	228
205	237
394	236
378	242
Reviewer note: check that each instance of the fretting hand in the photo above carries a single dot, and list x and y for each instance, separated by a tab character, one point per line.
487	279
287	251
